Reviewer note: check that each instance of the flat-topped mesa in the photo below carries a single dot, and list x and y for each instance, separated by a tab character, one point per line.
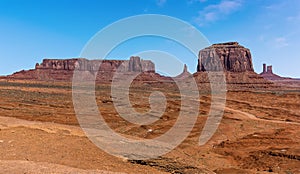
135	64
228	56
62	69
226	44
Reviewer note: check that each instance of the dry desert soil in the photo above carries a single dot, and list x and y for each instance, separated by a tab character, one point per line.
39	132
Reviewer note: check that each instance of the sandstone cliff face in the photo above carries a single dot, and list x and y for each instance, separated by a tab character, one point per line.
135	64
229	56
236	62
62	69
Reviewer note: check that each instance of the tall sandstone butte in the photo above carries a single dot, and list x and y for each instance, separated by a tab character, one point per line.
236	63
229	56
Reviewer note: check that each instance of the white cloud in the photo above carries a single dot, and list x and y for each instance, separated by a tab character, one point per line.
190	32
294	19
194	1
161	3
210	16
281	42
215	12
275	6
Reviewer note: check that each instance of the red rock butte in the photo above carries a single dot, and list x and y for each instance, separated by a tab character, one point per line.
235	61
228	56
62	69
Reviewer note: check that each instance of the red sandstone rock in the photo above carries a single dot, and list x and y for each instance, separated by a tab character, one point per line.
280	81
62	69
229	56
184	74
135	64
269	75
236	63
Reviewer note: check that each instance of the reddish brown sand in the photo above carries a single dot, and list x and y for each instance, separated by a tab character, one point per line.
39	133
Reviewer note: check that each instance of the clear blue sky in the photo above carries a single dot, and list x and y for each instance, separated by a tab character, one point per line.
31	30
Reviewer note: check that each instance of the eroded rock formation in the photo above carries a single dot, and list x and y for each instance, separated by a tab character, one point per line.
185	73
228	56
135	64
286	82
62	69
269	75
236	63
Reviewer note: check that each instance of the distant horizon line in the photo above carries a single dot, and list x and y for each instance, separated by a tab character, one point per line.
70	58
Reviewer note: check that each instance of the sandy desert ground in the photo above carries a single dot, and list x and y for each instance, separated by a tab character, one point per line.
39	133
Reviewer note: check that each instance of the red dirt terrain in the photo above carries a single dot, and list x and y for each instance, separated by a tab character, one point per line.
39	132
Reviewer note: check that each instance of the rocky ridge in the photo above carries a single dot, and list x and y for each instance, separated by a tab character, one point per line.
62	69
232	59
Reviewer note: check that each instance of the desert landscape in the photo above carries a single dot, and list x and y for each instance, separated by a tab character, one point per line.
259	131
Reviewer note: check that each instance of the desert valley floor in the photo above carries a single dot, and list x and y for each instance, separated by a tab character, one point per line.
39	132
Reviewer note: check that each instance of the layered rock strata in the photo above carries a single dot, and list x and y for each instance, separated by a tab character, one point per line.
229	56
234	62
62	69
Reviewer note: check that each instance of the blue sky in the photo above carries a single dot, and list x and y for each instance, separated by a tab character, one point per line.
31	30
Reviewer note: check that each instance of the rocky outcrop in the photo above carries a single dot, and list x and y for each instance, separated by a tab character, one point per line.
285	82
185	73
62	69
228	56
236	63
269	75
234	80
135	64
